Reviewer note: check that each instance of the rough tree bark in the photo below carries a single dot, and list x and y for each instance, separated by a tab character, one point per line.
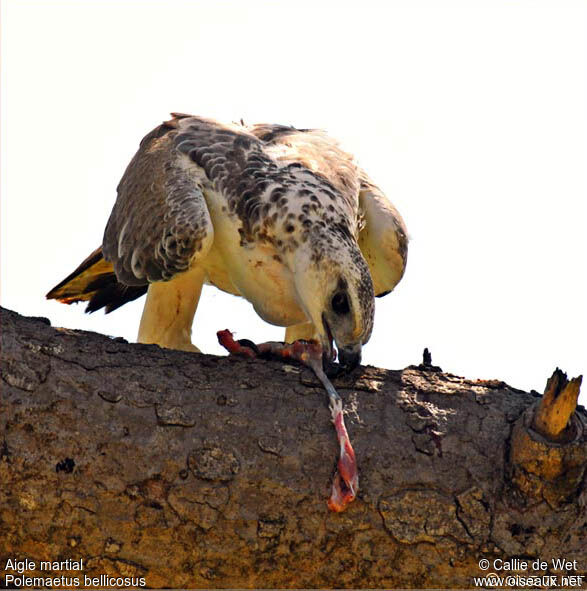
201	471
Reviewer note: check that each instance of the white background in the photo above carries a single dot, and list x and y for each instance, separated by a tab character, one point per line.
471	115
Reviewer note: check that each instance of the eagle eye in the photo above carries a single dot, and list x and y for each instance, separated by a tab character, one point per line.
340	303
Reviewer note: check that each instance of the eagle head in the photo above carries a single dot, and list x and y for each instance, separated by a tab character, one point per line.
335	289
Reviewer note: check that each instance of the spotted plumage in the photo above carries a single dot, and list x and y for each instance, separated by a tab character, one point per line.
280	216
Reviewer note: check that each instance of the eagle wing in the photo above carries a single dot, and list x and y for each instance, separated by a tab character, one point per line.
160	224
383	239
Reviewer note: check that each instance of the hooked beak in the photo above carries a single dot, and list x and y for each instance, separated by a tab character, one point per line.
329	354
348	357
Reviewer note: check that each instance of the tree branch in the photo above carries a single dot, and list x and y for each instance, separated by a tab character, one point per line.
200	471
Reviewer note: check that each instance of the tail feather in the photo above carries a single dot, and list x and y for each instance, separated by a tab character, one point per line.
94	281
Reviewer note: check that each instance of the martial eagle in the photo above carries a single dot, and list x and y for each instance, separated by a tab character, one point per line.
280	216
